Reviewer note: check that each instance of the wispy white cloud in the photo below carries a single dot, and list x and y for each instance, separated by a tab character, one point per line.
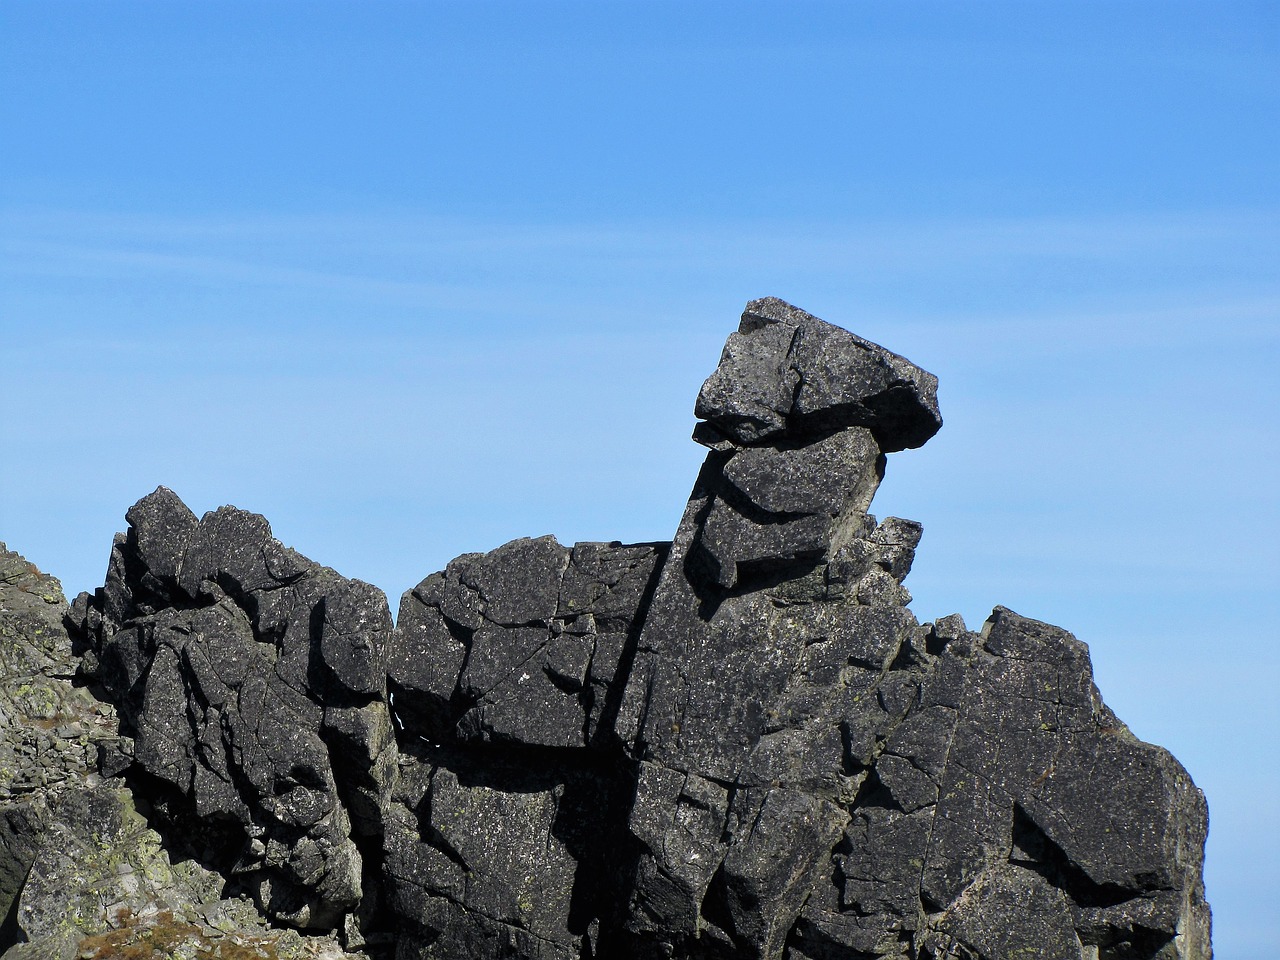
1134	272
877	242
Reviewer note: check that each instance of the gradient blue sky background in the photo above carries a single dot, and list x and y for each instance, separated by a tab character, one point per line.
413	279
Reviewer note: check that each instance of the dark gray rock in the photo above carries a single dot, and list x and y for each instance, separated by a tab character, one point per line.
779	610
773	507
807	787
522	645
253	682
1009	810
786	371
740	704
737	746
76	855
506	834
492	853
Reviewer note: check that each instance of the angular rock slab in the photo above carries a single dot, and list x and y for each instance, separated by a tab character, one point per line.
786	371
253	681
75	853
505	834
773	508
522	645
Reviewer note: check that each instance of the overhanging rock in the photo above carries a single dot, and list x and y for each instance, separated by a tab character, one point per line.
739	744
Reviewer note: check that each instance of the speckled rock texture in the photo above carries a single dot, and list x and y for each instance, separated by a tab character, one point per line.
738	745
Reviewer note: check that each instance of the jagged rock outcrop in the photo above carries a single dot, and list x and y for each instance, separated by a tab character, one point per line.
50	732
253	683
778	614
524	645
740	744
82	873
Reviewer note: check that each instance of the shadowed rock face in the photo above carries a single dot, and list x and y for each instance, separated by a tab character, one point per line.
739	744
521	646
77	856
253	682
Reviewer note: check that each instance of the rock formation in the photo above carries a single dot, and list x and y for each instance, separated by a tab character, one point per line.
82	873
739	744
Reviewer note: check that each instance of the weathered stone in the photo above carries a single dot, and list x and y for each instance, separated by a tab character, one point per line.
492	851
521	645
239	666
771	508
81	871
159	528
737	746
50	730
506	672
786	371
1009	792
102	881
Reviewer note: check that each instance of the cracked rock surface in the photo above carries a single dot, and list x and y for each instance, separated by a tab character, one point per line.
738	745
82	871
252	681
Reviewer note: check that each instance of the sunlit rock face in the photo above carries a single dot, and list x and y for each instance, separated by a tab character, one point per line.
736	744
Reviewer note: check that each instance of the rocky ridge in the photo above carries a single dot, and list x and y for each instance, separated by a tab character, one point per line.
739	744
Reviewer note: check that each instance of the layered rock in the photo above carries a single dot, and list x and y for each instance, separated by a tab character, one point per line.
820	776
778	613
740	744
786	371
524	645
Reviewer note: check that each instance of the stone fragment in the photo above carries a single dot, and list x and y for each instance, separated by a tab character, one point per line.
773	862
678	820
159	527
786	371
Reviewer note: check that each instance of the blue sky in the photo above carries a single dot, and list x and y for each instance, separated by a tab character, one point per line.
412	279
